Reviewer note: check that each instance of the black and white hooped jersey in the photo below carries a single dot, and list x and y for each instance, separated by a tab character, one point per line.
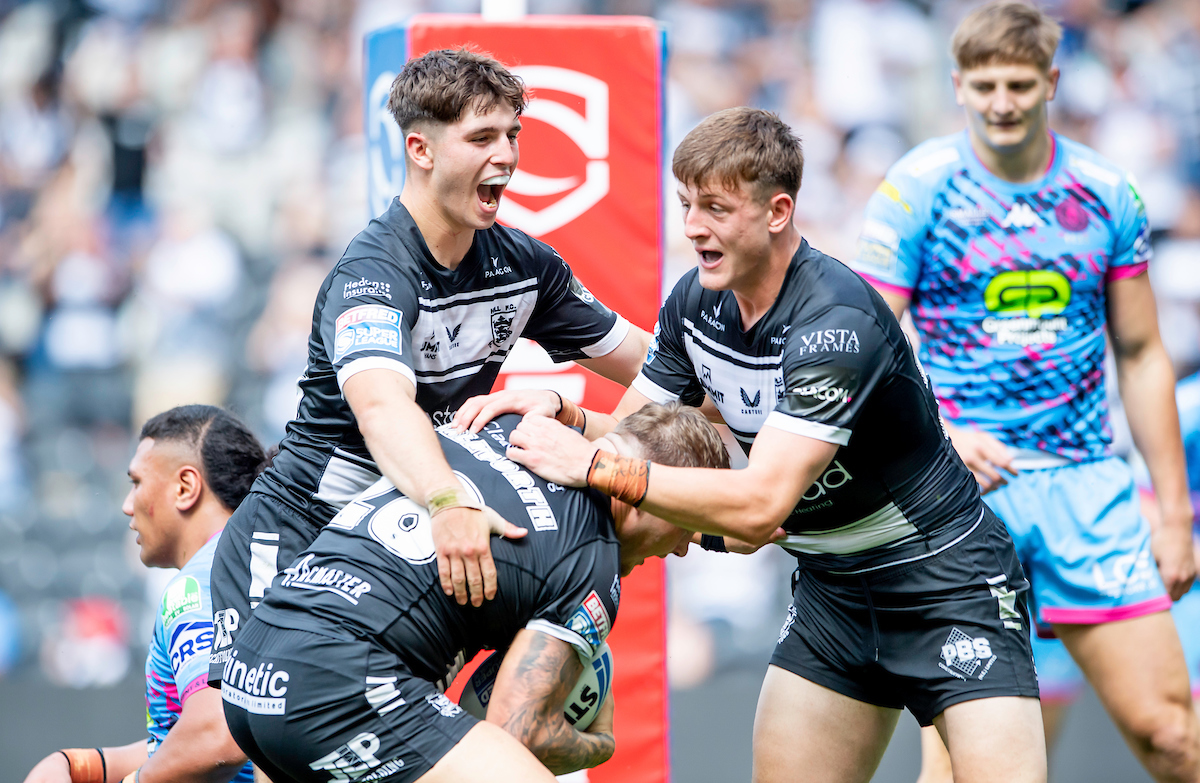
389	304
372	572
827	361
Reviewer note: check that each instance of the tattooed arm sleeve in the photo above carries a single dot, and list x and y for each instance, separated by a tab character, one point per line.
533	684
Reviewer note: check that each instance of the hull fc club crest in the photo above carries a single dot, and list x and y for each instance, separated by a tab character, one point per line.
502	320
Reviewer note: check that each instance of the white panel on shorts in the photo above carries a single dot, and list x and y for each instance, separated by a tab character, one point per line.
885	526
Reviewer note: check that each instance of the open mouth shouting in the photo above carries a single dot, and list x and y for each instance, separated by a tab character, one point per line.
709	258
490	189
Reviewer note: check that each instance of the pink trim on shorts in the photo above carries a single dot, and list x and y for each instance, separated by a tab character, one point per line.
1065	695
1096	616
889	287
193	686
1122	272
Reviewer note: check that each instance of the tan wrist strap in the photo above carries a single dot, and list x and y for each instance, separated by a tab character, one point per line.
570	414
87	765
450	497
624	478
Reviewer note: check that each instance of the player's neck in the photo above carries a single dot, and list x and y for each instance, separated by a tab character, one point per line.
1023	164
199	528
448	243
757	293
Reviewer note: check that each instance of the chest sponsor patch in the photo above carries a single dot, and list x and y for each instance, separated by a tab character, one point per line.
182	596
367	328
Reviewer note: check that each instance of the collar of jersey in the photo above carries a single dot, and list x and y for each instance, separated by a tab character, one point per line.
992	182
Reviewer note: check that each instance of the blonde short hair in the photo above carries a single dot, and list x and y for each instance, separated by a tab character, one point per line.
1006	32
741	146
675	434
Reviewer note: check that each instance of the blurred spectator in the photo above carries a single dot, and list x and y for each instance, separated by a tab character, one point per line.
177	175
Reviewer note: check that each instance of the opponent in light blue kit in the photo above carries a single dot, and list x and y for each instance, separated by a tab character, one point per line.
1059	677
177	663
194	464
1017	248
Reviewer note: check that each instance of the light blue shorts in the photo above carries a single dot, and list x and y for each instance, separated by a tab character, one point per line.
1083	542
1060	679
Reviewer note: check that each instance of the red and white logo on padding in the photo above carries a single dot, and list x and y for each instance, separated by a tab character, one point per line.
589	131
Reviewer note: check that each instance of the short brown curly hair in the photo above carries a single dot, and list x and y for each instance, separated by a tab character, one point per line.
439	86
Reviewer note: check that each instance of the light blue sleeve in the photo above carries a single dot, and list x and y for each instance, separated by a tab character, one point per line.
889	249
186	616
1132	247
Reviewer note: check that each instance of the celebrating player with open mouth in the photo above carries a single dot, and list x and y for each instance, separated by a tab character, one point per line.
416	317
909	593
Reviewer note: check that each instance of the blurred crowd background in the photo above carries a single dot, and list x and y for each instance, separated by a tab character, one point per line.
177	176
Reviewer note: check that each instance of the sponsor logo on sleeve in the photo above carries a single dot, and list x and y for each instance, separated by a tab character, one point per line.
877	245
590	620
182	596
652	351
580	291
964	655
365	287
367	328
441	702
189	640
614	592
820	390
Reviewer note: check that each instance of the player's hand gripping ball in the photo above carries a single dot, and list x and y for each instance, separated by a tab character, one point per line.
581	706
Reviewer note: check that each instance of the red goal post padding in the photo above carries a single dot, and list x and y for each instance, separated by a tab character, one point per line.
589	183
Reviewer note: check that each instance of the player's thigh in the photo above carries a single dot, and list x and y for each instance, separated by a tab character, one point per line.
995	740
935	759
802	728
488	753
1136	666
1186	614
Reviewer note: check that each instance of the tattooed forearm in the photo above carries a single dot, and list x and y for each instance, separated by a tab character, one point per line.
536	686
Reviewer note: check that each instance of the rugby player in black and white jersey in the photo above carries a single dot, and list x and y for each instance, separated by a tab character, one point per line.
415	318
340	670
909	592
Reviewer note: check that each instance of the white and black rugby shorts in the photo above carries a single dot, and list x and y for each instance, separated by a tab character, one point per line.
926	634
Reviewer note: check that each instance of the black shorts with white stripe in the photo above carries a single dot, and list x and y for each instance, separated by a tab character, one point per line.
310	707
926	634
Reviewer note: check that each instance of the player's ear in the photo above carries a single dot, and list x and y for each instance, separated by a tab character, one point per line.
1052	75
188	487
781	207
956	80
417	149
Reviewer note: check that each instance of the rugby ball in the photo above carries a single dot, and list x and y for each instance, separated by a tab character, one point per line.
581	706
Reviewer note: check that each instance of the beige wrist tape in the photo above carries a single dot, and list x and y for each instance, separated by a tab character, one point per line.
450	497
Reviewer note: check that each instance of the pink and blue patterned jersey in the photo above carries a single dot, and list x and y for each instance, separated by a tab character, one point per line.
177	664
1007	283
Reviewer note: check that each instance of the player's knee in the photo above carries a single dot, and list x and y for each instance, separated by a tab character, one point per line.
1172	735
